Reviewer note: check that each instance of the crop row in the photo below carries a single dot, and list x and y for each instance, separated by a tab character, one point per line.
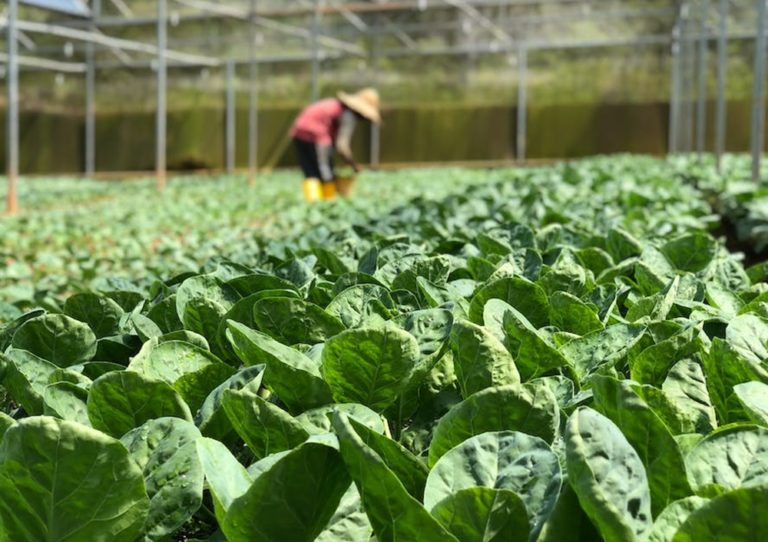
555	354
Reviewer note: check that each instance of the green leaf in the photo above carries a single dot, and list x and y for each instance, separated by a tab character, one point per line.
730	458
411	472
608	477
754	397
294	321
652	365
227	479
320	420
571	314
650	438
100	313
500	460
672	517
480	359
56	338
534	355
725	369
370	366
211	419
568	522
531	409
66	401
294	377
293	500
482	514
431	328
601	348
393	513
265	427
520	293
686	387
358	305
122	400
166	451
622	245
748	335
258	282
734	517
691	252
165	316
26	377
209	292
62	481
190	370
349	523
6	422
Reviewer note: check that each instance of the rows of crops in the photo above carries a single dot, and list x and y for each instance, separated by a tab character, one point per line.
556	354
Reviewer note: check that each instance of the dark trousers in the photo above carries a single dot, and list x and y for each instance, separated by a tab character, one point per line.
307	154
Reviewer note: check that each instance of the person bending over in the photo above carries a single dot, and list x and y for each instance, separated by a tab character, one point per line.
327	126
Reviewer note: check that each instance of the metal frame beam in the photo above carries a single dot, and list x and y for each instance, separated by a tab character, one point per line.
253	99
522	103
758	93
231	117
88	36
161	120
12	115
701	106
722	74
90	97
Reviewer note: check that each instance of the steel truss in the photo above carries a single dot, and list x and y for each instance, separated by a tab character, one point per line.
325	30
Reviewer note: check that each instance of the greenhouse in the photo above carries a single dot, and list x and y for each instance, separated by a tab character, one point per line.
384	271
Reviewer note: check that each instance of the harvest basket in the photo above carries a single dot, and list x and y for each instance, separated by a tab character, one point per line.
345	186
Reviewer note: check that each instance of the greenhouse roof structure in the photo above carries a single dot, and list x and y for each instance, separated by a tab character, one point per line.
75	37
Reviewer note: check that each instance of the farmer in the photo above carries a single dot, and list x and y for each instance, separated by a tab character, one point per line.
327	124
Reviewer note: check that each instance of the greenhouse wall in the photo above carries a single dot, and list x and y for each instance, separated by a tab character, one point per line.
53	142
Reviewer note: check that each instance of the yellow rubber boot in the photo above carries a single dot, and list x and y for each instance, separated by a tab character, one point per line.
329	191
312	190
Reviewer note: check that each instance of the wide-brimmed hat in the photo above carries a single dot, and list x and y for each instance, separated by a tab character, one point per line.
365	103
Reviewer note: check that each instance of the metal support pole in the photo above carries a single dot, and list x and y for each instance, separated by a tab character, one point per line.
162	81
231	120
12	134
689	64
701	108
253	101
722	72
316	52
375	129
522	103
758	95
676	91
90	96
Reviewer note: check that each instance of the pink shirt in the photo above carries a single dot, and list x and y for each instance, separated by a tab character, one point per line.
319	123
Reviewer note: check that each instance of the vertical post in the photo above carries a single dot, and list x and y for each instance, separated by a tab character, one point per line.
722	70
689	62
701	110
375	129
231	120
758	94
90	96
676	91
316	52
522	102
253	100
12	134
162	80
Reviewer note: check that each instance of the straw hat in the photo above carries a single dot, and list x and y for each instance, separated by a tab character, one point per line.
365	103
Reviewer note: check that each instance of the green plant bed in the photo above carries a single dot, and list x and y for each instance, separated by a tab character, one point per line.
551	354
